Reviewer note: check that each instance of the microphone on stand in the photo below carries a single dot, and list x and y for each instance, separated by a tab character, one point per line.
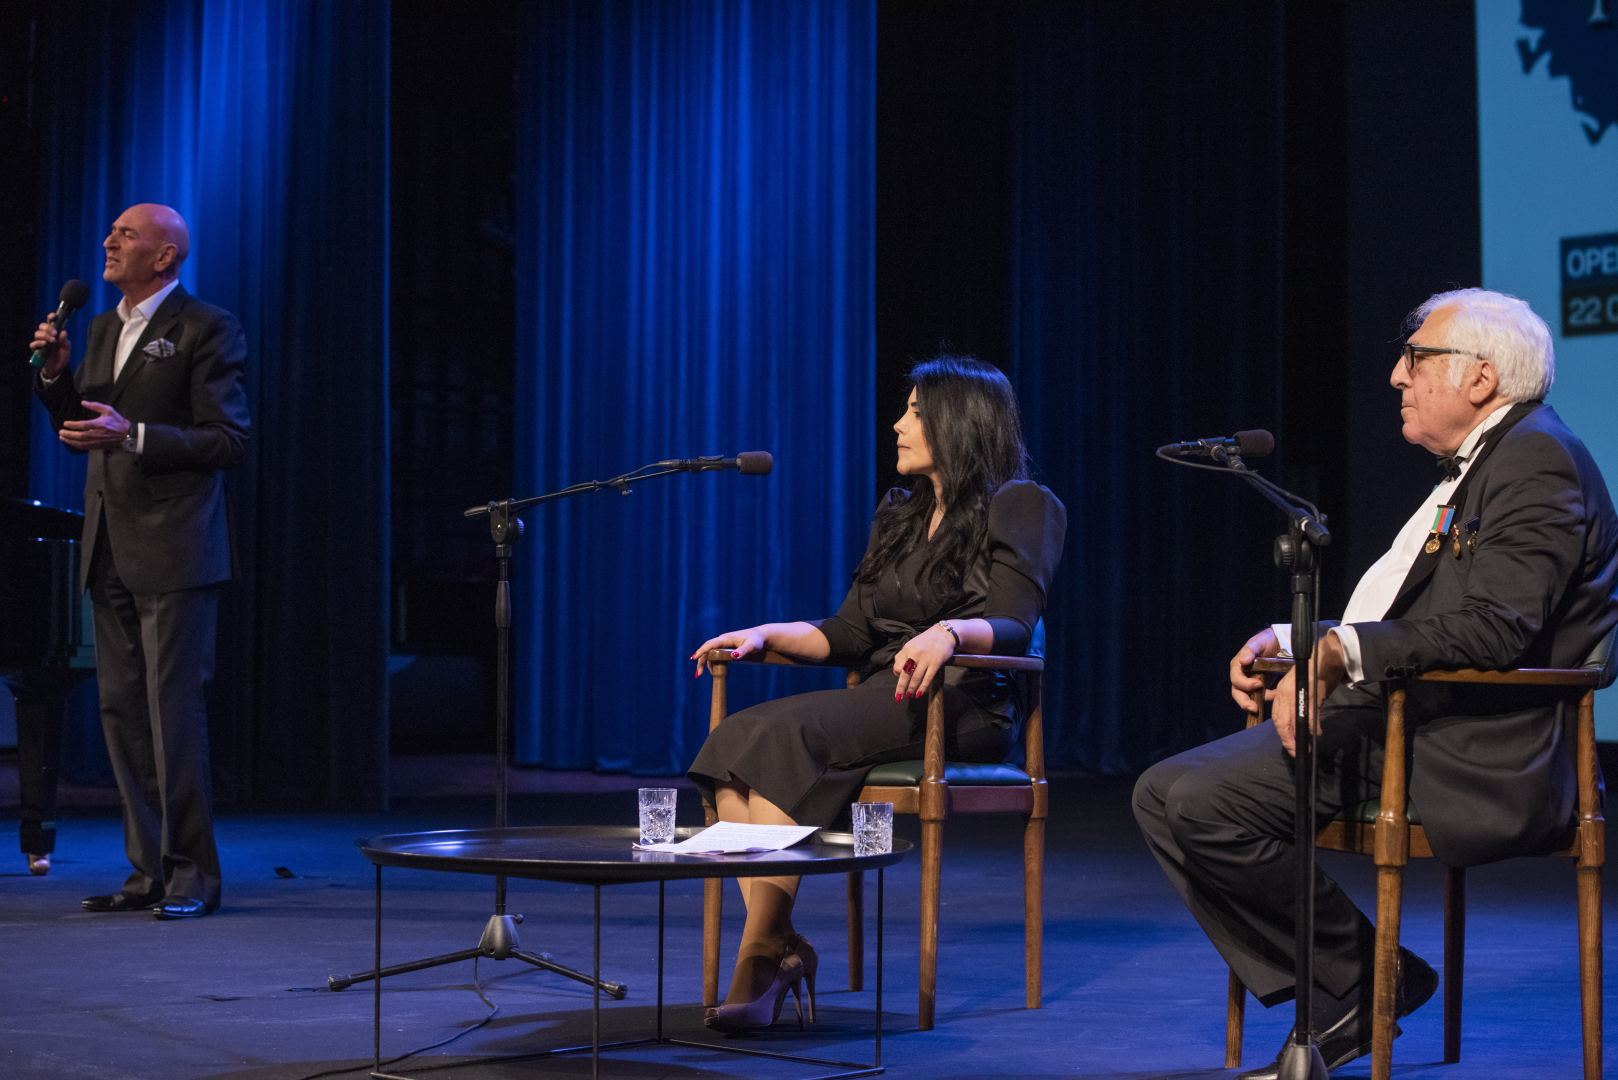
1245	444
748	463
71	299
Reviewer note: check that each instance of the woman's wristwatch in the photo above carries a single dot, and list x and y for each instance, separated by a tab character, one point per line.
944	624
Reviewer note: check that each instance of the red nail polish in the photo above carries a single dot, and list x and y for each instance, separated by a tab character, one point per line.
898	697
735	654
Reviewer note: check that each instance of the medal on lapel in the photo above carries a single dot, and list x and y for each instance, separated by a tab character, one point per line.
1455	541
1441	525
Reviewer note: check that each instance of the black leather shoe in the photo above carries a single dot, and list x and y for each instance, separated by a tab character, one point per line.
1350	1036
182	907
118	901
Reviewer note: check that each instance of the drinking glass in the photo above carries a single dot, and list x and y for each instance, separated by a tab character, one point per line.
873	827
657	814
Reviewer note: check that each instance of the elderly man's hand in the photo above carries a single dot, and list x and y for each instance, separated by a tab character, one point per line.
1330	669
106	431
1244	685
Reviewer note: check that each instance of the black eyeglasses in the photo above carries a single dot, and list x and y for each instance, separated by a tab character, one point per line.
1414	354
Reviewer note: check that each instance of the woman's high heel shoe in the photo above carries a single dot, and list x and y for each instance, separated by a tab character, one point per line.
798	946
765	1009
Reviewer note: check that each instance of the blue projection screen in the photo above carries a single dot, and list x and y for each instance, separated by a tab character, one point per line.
1548	170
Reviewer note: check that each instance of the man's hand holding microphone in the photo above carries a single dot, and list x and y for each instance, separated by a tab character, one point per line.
52	350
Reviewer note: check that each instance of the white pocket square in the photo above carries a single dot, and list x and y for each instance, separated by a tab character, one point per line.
159	349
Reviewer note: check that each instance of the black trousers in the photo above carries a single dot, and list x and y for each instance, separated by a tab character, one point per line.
1220	819
154	659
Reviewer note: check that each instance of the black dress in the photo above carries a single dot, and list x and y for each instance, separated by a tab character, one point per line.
809	753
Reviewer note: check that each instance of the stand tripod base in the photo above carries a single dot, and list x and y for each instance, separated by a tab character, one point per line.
499	942
1301	1061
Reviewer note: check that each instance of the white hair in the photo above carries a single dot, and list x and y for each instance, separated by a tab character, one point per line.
1503	330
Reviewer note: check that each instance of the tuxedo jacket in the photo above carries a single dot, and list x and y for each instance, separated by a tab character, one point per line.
164	510
1532	585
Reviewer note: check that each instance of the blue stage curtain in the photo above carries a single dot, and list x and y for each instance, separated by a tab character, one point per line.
1148	307
264	122
695	276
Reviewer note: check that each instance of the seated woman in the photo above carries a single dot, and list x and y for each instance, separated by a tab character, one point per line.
959	563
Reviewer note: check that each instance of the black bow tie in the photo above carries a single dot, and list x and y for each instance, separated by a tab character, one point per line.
1449	468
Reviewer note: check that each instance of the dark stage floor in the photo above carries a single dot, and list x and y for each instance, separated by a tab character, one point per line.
1131	988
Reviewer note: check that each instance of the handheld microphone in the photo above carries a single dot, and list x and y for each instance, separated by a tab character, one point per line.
1246	444
748	463
71	299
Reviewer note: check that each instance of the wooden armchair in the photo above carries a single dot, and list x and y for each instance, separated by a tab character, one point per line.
1390	832
932	789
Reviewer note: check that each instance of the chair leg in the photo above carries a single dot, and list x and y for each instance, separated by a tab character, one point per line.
1590	967
1454	959
1033	883
1389	893
713	903
1235	1012
856	931
713	911
932	844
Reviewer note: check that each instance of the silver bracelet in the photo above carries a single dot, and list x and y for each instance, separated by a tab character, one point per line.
951	631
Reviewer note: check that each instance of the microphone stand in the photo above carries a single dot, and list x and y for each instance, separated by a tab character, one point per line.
1298	552
499	939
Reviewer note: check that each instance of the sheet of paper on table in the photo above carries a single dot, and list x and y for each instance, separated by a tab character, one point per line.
734	837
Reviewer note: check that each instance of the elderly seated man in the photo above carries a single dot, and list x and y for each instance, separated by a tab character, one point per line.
1511	561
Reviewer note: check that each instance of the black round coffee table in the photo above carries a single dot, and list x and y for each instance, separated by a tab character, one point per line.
598	856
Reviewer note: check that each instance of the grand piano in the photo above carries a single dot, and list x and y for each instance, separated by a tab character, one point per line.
46	645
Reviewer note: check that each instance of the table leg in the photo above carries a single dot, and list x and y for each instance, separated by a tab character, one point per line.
376	997
879	914
660	894
595	1006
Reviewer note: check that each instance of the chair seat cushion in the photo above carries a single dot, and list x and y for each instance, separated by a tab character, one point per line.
962	773
1367	811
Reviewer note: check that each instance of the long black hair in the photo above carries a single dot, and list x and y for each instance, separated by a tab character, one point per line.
970	418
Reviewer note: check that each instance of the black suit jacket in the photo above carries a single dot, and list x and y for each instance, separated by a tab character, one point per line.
1492	773
164	511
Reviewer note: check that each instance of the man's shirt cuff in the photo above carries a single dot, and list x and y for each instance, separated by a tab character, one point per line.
1349	639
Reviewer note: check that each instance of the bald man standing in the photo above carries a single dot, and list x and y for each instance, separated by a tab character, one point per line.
159	407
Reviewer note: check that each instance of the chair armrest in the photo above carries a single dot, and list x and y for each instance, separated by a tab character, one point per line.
1575	678
1572	678
769	656
988	662
974	661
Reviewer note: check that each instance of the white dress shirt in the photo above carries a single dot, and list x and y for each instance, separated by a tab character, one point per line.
135	319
